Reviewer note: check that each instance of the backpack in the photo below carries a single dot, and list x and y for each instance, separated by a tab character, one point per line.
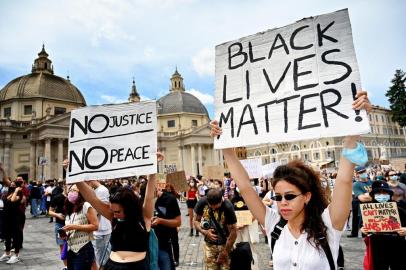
241	257
153	250
277	232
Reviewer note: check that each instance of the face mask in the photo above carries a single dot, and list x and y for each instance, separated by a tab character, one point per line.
73	196
120	219
382	197
394	178
379	177
192	184
363	176
323	184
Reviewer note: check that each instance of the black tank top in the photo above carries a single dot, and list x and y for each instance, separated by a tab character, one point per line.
129	237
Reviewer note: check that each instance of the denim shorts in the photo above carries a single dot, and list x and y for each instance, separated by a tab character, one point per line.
59	241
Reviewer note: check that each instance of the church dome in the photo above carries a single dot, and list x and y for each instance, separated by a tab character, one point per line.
178	101
42	83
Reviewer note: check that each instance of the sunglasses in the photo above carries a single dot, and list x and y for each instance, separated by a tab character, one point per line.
287	197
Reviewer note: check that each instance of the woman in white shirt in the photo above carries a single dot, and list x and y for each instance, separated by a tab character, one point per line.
311	223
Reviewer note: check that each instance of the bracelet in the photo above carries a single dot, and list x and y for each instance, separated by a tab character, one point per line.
357	155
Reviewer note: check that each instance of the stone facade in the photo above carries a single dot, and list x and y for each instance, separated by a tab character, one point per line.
386	141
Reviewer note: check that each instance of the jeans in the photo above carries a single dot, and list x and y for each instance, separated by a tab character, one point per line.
102	248
82	260
34	207
165	260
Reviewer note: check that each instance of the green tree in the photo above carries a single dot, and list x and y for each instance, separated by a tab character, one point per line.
397	97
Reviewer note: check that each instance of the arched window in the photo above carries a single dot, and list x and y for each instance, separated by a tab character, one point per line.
274	151
294	148
258	153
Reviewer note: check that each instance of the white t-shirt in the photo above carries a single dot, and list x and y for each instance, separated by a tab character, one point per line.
294	254
104	224
48	190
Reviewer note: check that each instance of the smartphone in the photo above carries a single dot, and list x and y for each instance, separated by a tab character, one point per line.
62	233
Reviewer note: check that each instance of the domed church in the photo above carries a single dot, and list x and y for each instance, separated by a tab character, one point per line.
34	125
34	122
184	131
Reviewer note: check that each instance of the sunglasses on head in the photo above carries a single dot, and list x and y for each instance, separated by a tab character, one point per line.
287	197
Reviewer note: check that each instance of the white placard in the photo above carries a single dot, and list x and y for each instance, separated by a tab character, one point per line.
296	82
268	169
112	141
253	167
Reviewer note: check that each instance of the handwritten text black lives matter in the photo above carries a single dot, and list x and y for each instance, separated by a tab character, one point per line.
291	83
112	141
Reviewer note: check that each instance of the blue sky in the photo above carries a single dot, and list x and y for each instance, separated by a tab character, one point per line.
103	44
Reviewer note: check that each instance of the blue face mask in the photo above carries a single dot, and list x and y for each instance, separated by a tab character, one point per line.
382	197
364	176
394	177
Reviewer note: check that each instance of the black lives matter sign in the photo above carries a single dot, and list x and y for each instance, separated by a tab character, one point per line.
112	141
291	83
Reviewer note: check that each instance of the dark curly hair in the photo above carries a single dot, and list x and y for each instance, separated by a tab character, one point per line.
307	180
132	205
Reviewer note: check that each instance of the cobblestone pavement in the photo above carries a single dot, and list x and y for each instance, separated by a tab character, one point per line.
41	253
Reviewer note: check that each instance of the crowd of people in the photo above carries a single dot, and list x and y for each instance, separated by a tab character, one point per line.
131	224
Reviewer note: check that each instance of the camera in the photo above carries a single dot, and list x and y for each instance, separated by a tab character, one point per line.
62	233
205	225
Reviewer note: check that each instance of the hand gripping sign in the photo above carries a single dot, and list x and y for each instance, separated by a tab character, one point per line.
112	141
291	83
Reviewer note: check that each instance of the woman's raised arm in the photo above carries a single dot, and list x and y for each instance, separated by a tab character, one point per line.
242	180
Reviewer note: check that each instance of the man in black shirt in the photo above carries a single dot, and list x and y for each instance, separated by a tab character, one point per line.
218	227
56	210
167	219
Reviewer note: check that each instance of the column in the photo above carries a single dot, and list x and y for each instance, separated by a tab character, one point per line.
47	167
192	158
60	158
33	160
1	152
221	157
39	153
200	159
6	163
180	158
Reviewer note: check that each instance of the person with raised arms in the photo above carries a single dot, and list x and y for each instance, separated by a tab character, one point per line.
131	224
311	237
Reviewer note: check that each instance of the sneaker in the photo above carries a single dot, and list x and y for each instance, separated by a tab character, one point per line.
13	259
5	257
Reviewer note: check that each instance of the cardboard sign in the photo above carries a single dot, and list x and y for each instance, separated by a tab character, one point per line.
253	167
112	141
178	180
268	169
213	172
291	83
380	217
244	217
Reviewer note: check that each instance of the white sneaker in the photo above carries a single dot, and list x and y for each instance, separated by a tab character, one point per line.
13	259
5	257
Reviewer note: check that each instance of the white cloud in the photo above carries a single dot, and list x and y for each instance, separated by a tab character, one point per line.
113	99
203	62
206	99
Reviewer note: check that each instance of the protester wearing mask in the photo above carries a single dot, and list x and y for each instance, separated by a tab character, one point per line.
165	222
360	189
387	248
80	223
57	211
218	227
13	222
398	188
191	200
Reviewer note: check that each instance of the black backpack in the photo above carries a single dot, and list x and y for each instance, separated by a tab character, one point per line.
241	257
